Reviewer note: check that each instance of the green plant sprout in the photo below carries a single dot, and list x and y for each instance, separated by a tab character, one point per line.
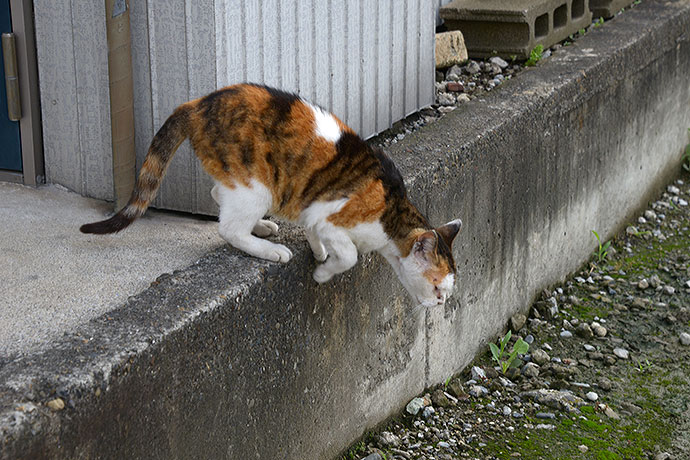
602	250
598	22
502	357
445	384
535	55
581	31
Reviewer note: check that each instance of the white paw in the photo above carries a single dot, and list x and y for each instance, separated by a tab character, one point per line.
264	228
322	274
279	253
320	253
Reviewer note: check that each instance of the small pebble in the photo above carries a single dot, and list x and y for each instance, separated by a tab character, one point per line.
622	353
685	338
589	347
670	290
546	415
592	396
56	404
566	334
529	339
582	448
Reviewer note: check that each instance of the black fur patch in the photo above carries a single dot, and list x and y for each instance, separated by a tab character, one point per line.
113	225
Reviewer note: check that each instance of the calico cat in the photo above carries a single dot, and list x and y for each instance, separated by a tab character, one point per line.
270	152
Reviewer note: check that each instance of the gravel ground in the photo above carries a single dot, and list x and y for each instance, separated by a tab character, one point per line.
607	374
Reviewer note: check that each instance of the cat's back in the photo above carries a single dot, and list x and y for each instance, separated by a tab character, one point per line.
299	151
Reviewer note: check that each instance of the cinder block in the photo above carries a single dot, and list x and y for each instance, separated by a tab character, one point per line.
514	27
607	8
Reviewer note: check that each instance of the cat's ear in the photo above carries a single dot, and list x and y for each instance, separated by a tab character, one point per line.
449	231
425	245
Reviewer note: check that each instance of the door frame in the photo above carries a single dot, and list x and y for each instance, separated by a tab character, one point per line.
33	170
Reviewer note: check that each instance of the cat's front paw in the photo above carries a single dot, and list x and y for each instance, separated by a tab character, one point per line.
279	253
322	274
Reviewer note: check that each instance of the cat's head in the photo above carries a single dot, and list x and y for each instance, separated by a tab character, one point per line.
428	271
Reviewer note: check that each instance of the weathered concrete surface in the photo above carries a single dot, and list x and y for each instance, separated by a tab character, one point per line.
239	358
607	8
53	278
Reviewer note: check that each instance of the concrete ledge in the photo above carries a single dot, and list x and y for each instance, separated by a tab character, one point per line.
238	358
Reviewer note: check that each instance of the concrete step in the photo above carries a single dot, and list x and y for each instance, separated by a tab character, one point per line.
514	28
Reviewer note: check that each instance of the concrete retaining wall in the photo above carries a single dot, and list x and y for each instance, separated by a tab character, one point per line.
239	358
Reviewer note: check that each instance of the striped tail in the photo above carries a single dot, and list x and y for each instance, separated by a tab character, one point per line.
164	144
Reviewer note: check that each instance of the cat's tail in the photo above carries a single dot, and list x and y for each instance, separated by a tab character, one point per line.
163	146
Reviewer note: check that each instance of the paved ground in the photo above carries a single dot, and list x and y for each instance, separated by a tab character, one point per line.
52	277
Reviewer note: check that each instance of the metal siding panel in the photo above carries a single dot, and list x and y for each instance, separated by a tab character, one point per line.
383	115
338	64
289	47
93	98
236	64
221	56
200	49
369	80
412	68
58	88
353	88
170	88
271	43
342	56
398	62
253	44
322	54
427	60
304	48
141	74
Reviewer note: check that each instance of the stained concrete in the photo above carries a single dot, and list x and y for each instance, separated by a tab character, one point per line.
53	278
239	358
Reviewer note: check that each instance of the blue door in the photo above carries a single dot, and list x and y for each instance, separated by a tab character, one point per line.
10	150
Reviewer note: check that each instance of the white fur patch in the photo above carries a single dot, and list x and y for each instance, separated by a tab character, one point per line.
255	197
326	126
368	236
317	212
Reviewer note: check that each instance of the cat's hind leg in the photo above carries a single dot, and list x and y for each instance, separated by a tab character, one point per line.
263	227
241	210
341	252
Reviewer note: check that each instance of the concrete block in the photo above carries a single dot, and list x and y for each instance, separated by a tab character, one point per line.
450	49
498	27
607	8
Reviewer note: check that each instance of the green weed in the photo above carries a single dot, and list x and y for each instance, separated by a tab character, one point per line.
603	249
502	357
535	56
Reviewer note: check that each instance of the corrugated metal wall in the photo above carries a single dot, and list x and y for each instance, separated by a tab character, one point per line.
371	62
75	100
